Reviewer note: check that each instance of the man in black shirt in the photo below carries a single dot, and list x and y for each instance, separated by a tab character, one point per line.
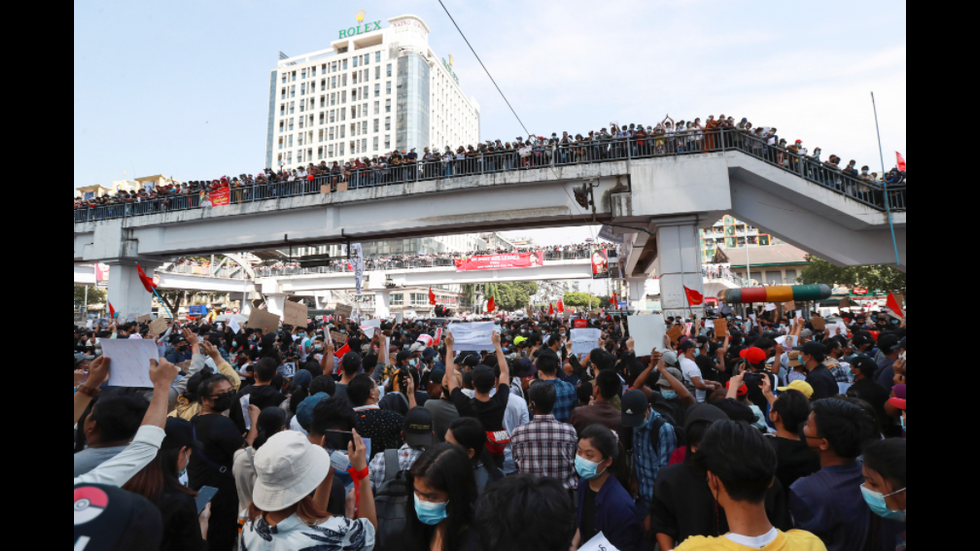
489	411
261	395
820	378
866	388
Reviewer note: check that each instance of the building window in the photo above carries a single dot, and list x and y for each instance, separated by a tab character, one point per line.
290	125
321	137
367	59
387	123
333	98
304	73
292	91
356	59
333	117
290	140
280	143
377	124
284	78
389	70
331	133
343	80
419	299
388	88
375	143
387	143
353	77
343	96
344	65
397	299
377	108
364	145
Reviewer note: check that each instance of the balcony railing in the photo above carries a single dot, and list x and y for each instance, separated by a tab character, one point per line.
872	194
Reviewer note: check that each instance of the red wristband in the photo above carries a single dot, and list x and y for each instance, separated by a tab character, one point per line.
359	476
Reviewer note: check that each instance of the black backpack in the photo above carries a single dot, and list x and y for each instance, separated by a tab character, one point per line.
398	526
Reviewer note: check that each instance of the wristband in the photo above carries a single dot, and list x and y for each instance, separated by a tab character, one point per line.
358	477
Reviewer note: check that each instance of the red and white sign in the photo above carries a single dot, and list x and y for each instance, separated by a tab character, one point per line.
221	197
600	264
500	262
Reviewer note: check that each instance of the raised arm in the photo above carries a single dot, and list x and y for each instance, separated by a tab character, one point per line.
451	363
676	385
501	360
98	374
327	361
655	358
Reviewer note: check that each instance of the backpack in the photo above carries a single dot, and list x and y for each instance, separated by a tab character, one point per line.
398	527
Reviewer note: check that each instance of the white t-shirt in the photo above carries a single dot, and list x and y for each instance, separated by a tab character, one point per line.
692	371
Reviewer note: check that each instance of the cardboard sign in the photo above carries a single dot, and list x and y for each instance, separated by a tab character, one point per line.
130	362
647	333
819	324
789	306
158	326
674	332
295	314
844	303
344	310
721	328
341	186
264	322
338	338
325	189
143	320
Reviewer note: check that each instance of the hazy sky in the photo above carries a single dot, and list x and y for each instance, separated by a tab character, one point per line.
181	87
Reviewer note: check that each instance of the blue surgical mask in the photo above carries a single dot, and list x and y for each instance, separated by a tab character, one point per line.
668	394
586	469
413	363
877	504
697	352
430	514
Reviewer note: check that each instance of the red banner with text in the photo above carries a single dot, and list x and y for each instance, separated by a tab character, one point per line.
221	197
500	262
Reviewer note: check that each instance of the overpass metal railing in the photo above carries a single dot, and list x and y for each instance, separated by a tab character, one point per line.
868	193
414	264
224	272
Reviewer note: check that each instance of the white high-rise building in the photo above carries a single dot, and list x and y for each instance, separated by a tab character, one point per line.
375	90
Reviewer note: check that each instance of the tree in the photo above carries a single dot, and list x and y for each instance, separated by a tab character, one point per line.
95	295
581	300
510	297
881	278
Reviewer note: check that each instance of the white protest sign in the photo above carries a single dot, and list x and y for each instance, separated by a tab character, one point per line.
648	332
585	341
770	307
598	543
472	337
233	325
130	362
371	327
245	403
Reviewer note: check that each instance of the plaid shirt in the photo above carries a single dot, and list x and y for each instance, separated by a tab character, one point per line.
566	402
407	456
650	461
545	447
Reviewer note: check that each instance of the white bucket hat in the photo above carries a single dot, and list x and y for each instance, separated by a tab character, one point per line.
289	468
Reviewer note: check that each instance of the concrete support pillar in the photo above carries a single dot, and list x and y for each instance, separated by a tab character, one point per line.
276	304
679	266
126	293
638	294
246	309
382	304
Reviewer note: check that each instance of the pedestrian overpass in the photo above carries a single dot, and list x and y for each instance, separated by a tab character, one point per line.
656	200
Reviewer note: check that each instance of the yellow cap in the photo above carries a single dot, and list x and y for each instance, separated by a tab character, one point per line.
801	386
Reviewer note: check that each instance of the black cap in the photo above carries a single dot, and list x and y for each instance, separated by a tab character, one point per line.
180	434
110	519
888	343
864	364
436	376
704	412
418	428
525	368
689	344
634	408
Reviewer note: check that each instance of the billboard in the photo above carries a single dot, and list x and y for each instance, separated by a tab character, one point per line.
600	264
500	262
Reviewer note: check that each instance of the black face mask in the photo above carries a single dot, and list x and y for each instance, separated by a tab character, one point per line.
223	402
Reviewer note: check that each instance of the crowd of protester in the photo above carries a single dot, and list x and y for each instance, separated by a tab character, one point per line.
668	137
780	434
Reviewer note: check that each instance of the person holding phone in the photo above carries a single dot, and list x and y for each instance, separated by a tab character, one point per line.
284	517
184	529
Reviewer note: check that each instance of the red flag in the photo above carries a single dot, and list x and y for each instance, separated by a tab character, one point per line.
112	311
342	352
551	309
615	300
491	306
561	306
901	161
432	297
894	306
147	282
694	298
